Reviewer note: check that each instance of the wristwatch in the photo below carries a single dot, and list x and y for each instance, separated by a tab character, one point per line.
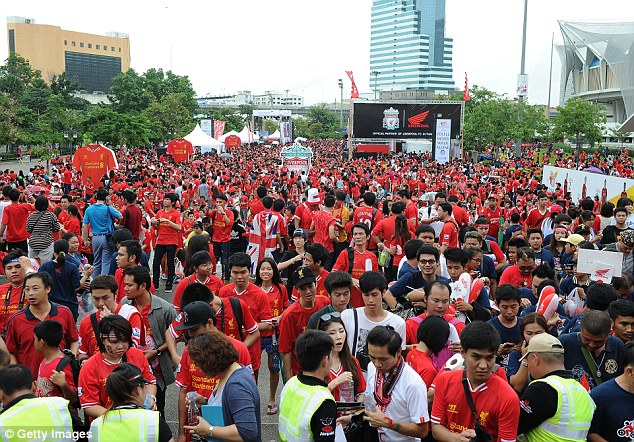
211	431
158	352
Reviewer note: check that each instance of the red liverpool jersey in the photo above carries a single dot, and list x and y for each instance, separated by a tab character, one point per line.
94	160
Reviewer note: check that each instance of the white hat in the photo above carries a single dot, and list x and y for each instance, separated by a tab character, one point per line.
313	196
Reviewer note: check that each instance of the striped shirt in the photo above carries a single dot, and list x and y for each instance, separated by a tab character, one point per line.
41	225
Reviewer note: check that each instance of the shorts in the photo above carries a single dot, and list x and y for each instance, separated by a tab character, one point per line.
266	342
44	255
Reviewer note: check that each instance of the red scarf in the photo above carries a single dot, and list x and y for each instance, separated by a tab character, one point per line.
384	384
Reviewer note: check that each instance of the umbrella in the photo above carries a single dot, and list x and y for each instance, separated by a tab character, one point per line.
37	189
226	155
198	163
594	170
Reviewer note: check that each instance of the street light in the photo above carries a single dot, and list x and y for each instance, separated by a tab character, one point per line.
341	104
376	74
520	95
71	136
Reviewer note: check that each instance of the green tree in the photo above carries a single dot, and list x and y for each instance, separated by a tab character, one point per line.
247	111
36	95
9	132
579	120
106	125
232	118
170	117
127	93
322	123
44	153
270	126
16	75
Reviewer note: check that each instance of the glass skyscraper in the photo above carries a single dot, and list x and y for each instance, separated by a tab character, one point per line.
408	47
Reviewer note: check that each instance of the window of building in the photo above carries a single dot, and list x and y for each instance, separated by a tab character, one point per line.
112	48
72	43
105	48
81	44
97	47
65	42
11	41
89	45
119	49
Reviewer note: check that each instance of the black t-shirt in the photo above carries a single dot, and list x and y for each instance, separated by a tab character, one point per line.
290	270
611	233
324	420
539	403
238	242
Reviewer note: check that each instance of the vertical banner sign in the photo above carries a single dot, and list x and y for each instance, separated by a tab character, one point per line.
206	126
522	85
219	128
443	140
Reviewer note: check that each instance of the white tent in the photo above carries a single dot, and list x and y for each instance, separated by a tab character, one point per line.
199	138
275	135
246	137
233	132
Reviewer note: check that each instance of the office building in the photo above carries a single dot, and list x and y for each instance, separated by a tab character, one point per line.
90	60
408	46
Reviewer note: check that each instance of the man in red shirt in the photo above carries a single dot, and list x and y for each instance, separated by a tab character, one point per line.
68	178
449	234
295	318
495	400
12	294
304	213
538	214
368	215
257	301
521	274
459	214
202	265
201	319
493	212
19	337
222	221
324	225
103	290
116	333
131	215
14	218
411	211
168	225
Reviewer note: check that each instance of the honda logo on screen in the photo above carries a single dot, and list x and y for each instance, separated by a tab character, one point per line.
417	120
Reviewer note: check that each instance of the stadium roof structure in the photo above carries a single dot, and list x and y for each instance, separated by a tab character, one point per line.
598	61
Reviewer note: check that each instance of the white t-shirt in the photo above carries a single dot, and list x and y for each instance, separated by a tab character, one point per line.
408	404
426	213
364	327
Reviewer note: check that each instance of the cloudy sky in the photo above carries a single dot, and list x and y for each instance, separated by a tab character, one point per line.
305	47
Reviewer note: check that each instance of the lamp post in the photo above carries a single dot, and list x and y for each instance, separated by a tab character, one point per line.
520	95
70	136
376	74
341	104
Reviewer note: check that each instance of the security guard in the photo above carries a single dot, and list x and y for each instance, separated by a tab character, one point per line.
307	408
554	407
26	416
128	420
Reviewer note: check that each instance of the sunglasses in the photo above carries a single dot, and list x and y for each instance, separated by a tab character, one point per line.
329	316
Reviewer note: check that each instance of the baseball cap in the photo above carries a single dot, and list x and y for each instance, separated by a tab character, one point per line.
131	373
575	239
200	257
313	196
556	208
544	343
627	237
300	232
195	314
582	230
198	224
303	276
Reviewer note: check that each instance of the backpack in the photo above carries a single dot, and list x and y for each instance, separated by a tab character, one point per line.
95	329
69	359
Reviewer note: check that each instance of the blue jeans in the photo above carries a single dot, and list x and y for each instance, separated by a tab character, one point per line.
222	250
102	249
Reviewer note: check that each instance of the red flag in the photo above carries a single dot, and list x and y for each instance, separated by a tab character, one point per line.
355	91
219	128
467	97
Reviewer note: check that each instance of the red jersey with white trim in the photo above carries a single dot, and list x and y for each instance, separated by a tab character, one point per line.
321	288
212	282
363	215
190	378
94	161
362	262
44	386
95	371
167	235
11	306
422	364
87	340
293	323
495	401
535	218
180	149
258	305
449	234
278	300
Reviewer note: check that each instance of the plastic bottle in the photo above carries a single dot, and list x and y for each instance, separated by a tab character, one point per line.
346	391
192	409
147	401
368	402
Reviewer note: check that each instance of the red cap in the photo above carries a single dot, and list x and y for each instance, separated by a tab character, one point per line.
556	208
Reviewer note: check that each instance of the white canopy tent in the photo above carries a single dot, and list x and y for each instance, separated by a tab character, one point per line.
248	138
275	135
199	138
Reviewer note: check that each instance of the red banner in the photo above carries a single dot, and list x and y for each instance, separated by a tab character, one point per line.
233	141
467	96
355	92
219	128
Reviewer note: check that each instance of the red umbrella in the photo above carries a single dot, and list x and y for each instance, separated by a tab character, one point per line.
37	189
198	163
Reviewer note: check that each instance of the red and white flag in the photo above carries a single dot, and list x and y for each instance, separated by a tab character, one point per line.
355	92
262	237
467	96
219	128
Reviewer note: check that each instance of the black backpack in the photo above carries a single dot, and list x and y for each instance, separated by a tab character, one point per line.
69	359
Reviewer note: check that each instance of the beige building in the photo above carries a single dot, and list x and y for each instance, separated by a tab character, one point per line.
90	60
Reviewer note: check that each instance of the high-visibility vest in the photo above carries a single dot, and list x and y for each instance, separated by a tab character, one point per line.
47	415
298	403
126	425
574	413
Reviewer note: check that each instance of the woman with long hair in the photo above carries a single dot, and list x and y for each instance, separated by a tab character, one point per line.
127	419
556	247
267	277
532	324
195	244
345	368
396	244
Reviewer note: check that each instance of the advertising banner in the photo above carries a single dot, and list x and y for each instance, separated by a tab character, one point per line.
404	120
286	132
582	184
219	128
206	126
443	140
297	158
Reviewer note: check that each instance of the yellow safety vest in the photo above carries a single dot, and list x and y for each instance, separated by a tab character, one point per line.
574	413
126	425
298	403
44	418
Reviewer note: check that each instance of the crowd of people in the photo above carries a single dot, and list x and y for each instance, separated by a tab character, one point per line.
350	276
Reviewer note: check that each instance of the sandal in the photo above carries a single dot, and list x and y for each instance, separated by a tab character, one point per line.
272	409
